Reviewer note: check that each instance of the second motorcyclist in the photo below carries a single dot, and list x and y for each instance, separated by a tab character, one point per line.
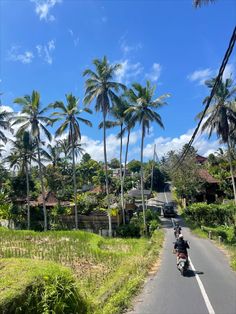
181	246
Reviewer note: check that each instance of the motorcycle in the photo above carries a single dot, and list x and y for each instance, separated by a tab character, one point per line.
182	263
177	233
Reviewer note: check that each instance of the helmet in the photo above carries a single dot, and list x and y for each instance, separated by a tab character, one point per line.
181	236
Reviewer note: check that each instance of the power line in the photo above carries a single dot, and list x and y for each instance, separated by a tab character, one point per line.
213	91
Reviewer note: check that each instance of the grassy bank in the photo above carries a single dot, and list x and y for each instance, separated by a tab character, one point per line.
229	248
107	271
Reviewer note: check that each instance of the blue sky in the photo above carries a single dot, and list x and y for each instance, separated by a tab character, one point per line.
46	45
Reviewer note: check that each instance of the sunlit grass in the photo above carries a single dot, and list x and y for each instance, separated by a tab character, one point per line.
104	268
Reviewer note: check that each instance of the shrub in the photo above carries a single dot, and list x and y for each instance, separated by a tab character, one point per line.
128	231
32	286
211	214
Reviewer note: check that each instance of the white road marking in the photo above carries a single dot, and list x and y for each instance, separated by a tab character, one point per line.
165	196
203	291
173	222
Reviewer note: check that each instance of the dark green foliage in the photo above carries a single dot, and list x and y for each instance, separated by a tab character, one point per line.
136	228
211	214
18	186
45	288
134	166
131	230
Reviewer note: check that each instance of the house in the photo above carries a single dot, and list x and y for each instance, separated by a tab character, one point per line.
210	189
200	160
50	201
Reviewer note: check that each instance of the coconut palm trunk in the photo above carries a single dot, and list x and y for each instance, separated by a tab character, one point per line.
42	188
231	170
106	174
126	155
121	175
27	193
142	183
75	185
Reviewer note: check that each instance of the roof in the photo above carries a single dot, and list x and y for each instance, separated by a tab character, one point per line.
137	193
206	176
50	200
201	159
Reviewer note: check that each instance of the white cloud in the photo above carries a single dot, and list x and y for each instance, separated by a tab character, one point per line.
75	38
229	71
154	73
15	54
200	76
5	108
45	51
126	47
128	71
43	8
203	145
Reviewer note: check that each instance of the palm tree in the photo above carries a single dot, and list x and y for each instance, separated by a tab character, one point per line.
1	149
32	119
4	124
64	147
70	114
22	153
100	87
221	117
143	112
198	3
118	112
52	154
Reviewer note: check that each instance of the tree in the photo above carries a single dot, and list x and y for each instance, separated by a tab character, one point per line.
4	124
100	87
32	119
69	113
185	178
198	3
134	166
114	163
22	153
142	111
53	154
221	117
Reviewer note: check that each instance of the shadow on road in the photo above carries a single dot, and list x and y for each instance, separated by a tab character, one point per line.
192	273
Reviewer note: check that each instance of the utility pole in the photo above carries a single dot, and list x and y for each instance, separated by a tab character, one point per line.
153	162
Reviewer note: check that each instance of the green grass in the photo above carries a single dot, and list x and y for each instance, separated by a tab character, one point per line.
28	286
107	271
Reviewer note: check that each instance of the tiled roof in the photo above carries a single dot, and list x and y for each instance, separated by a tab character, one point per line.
206	176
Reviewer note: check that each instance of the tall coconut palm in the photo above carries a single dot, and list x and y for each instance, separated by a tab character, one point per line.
118	112
221	117
52	154
143	112
4	123
198	3
22	153
1	149
69	113
32	118
64	147
101	88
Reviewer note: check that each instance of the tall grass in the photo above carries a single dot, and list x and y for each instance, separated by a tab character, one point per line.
103	267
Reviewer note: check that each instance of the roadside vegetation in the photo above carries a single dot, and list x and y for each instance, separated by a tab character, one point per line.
215	221
106	272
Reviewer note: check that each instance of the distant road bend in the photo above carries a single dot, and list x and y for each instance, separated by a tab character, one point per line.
209	287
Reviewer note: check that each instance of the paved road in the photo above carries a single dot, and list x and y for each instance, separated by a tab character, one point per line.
170	293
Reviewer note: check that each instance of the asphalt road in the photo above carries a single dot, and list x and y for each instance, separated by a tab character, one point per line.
211	288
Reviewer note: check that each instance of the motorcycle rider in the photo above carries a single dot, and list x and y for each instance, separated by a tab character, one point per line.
181	246
177	230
